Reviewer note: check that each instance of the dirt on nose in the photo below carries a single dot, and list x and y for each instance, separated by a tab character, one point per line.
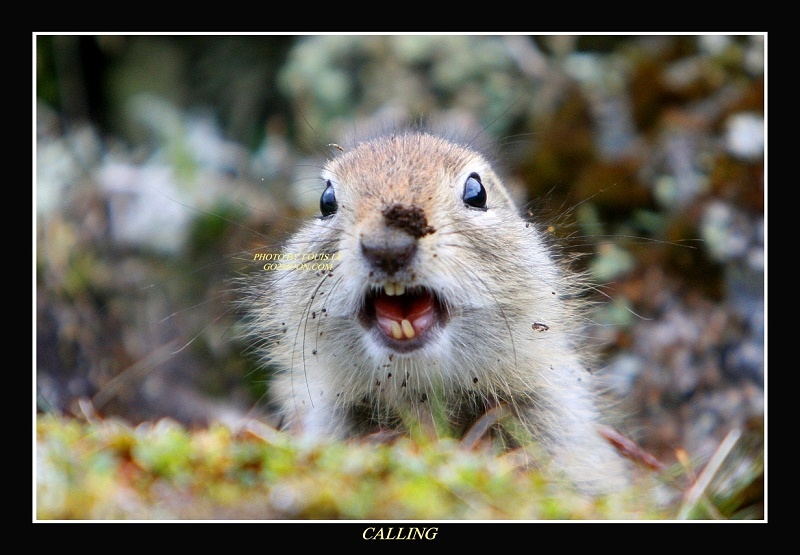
410	219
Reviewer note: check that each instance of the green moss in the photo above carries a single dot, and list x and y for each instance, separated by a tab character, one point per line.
109	470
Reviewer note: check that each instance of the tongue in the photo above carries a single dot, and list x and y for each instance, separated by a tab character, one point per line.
405	316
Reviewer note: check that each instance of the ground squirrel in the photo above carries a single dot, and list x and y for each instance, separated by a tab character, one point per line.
422	295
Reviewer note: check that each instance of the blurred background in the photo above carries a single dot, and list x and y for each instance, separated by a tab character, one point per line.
163	161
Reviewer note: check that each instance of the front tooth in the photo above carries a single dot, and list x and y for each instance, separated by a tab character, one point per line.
408	329
399	289
397	331
390	289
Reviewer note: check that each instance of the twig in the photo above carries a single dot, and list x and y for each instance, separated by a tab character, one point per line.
698	489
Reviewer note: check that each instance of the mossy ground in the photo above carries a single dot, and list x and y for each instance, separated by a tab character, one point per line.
108	469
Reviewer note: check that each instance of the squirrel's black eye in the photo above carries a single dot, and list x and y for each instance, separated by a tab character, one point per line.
474	193
327	202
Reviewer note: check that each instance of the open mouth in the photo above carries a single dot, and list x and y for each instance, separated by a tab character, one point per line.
404	316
